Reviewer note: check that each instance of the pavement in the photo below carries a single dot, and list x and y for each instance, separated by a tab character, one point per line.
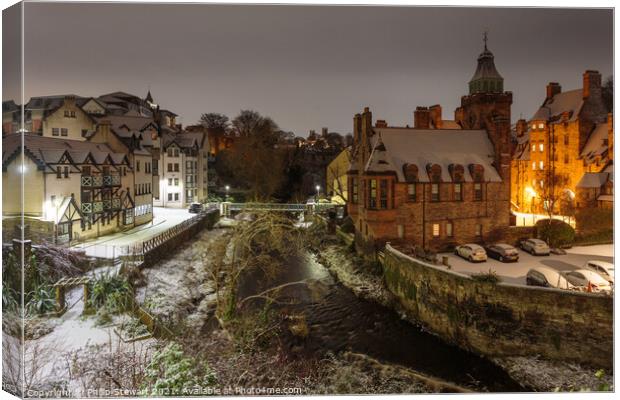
515	272
108	246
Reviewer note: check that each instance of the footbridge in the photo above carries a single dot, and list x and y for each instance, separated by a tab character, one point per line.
226	207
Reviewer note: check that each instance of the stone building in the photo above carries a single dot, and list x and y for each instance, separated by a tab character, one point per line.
440	182
569	138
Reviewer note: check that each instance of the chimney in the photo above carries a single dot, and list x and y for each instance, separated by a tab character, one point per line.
591	83
69	100
435	112
553	88
381	123
521	127
324	132
421	118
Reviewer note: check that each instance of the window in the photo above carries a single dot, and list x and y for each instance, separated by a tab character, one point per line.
169	167
533	165
64	132
458	191
176	167
565	158
566	140
169	196
411	192
372	200
66	113
533	147
176	181
169	181
434	192
170	152
55	131
477	191
66	172
355	190
449	229
138	165
541	126
541	164
384	193
58	172
541	146
542	183
478	230
176	197
176	152
435	230
84	132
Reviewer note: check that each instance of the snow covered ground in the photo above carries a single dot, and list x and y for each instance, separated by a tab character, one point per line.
108	246
515	272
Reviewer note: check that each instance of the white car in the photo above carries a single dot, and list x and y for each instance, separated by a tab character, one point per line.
536	247
585	277
603	268
471	252
547	277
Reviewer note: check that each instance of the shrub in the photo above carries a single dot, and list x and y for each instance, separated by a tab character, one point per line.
347	225
111	291
171	372
555	232
489	277
41	300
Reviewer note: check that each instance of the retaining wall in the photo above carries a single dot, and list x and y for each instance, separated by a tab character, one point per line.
503	319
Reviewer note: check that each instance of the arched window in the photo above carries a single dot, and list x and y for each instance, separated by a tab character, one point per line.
411	172
457	172
434	172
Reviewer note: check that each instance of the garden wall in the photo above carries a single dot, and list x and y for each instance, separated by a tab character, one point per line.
503	319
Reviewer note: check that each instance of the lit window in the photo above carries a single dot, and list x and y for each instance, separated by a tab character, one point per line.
541	146
372	201
449	229
533	165
478	230
354	191
411	191
542	183
435	192
477	191
541	164
541	126
435	230
458	193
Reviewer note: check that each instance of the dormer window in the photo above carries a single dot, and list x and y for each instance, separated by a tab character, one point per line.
411	172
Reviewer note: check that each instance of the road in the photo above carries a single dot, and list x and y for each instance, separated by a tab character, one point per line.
108	246
515	272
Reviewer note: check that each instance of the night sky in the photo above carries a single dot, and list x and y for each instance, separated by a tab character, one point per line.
306	67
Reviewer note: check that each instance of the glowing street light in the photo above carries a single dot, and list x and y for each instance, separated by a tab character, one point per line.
227	189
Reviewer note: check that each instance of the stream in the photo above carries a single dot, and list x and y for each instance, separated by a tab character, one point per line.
340	321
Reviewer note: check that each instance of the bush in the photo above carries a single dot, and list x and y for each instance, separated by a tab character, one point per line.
593	220
111	291
555	232
171	373
41	300
347	225
489	277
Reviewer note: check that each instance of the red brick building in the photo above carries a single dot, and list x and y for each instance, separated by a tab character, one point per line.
440	182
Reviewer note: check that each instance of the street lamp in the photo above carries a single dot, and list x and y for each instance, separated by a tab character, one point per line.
318	191
227	189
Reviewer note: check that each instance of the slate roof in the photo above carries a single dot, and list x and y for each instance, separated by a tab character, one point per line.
423	147
593	179
595	145
570	101
49	150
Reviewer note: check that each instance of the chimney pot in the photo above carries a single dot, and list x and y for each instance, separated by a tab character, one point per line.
591	83
421	118
553	88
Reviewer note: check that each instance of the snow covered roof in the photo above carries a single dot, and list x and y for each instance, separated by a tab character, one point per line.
379	160
424	147
595	145
570	101
593	180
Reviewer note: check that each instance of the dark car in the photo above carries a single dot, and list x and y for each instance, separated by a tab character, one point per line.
503	252
195	208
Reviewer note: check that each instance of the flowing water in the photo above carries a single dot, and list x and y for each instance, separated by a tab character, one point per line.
338	321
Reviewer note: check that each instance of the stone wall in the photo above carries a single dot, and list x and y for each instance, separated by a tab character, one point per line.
502	319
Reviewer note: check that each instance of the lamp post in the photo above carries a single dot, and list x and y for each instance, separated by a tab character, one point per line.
318	192
227	189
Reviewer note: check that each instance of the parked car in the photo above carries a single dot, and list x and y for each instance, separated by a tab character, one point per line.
502	252
547	277
603	268
535	247
195	208
471	252
583	277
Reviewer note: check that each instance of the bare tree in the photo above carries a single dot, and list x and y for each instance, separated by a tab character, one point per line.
553	191
215	121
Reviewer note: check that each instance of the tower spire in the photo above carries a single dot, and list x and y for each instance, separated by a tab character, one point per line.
485	38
